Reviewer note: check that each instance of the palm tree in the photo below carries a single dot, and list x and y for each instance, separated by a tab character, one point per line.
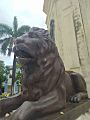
7	37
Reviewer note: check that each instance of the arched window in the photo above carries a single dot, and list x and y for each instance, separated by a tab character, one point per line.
52	29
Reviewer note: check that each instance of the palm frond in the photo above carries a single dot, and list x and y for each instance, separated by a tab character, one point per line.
10	47
5	30
23	29
5	45
1	41
15	26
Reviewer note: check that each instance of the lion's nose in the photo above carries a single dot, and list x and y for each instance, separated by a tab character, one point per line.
19	40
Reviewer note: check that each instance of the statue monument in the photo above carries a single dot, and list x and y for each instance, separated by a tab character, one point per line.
46	86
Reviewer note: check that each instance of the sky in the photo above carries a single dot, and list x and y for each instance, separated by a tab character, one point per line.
28	12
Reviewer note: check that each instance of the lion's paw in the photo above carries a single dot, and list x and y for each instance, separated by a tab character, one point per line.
75	99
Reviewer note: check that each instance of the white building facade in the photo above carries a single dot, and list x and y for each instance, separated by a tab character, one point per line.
72	33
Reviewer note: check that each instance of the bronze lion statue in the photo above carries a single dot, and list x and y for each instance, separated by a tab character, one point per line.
46	86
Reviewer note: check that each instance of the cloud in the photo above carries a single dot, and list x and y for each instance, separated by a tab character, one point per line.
7	60
28	12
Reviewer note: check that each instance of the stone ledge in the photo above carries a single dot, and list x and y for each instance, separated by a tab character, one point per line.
71	112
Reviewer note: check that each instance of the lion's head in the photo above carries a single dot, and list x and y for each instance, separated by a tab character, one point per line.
40	61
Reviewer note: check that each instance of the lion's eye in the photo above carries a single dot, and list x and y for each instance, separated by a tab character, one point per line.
44	61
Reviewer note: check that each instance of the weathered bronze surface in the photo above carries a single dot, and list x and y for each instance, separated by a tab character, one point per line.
46	87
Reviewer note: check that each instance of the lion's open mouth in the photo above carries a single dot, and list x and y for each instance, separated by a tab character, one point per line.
22	51
23	54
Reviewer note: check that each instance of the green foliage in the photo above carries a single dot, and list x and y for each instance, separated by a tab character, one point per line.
18	72
8	34
5	30
7	70
4	95
5	45
18	66
18	75
2	71
23	29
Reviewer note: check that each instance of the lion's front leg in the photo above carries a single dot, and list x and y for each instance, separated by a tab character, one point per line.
32	110
9	104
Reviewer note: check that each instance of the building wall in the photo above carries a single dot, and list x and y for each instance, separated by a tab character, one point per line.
72	33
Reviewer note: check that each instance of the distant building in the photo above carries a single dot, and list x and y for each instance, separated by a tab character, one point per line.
9	79
72	33
5	86
8	84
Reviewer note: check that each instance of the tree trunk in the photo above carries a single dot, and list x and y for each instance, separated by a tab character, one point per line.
13	74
